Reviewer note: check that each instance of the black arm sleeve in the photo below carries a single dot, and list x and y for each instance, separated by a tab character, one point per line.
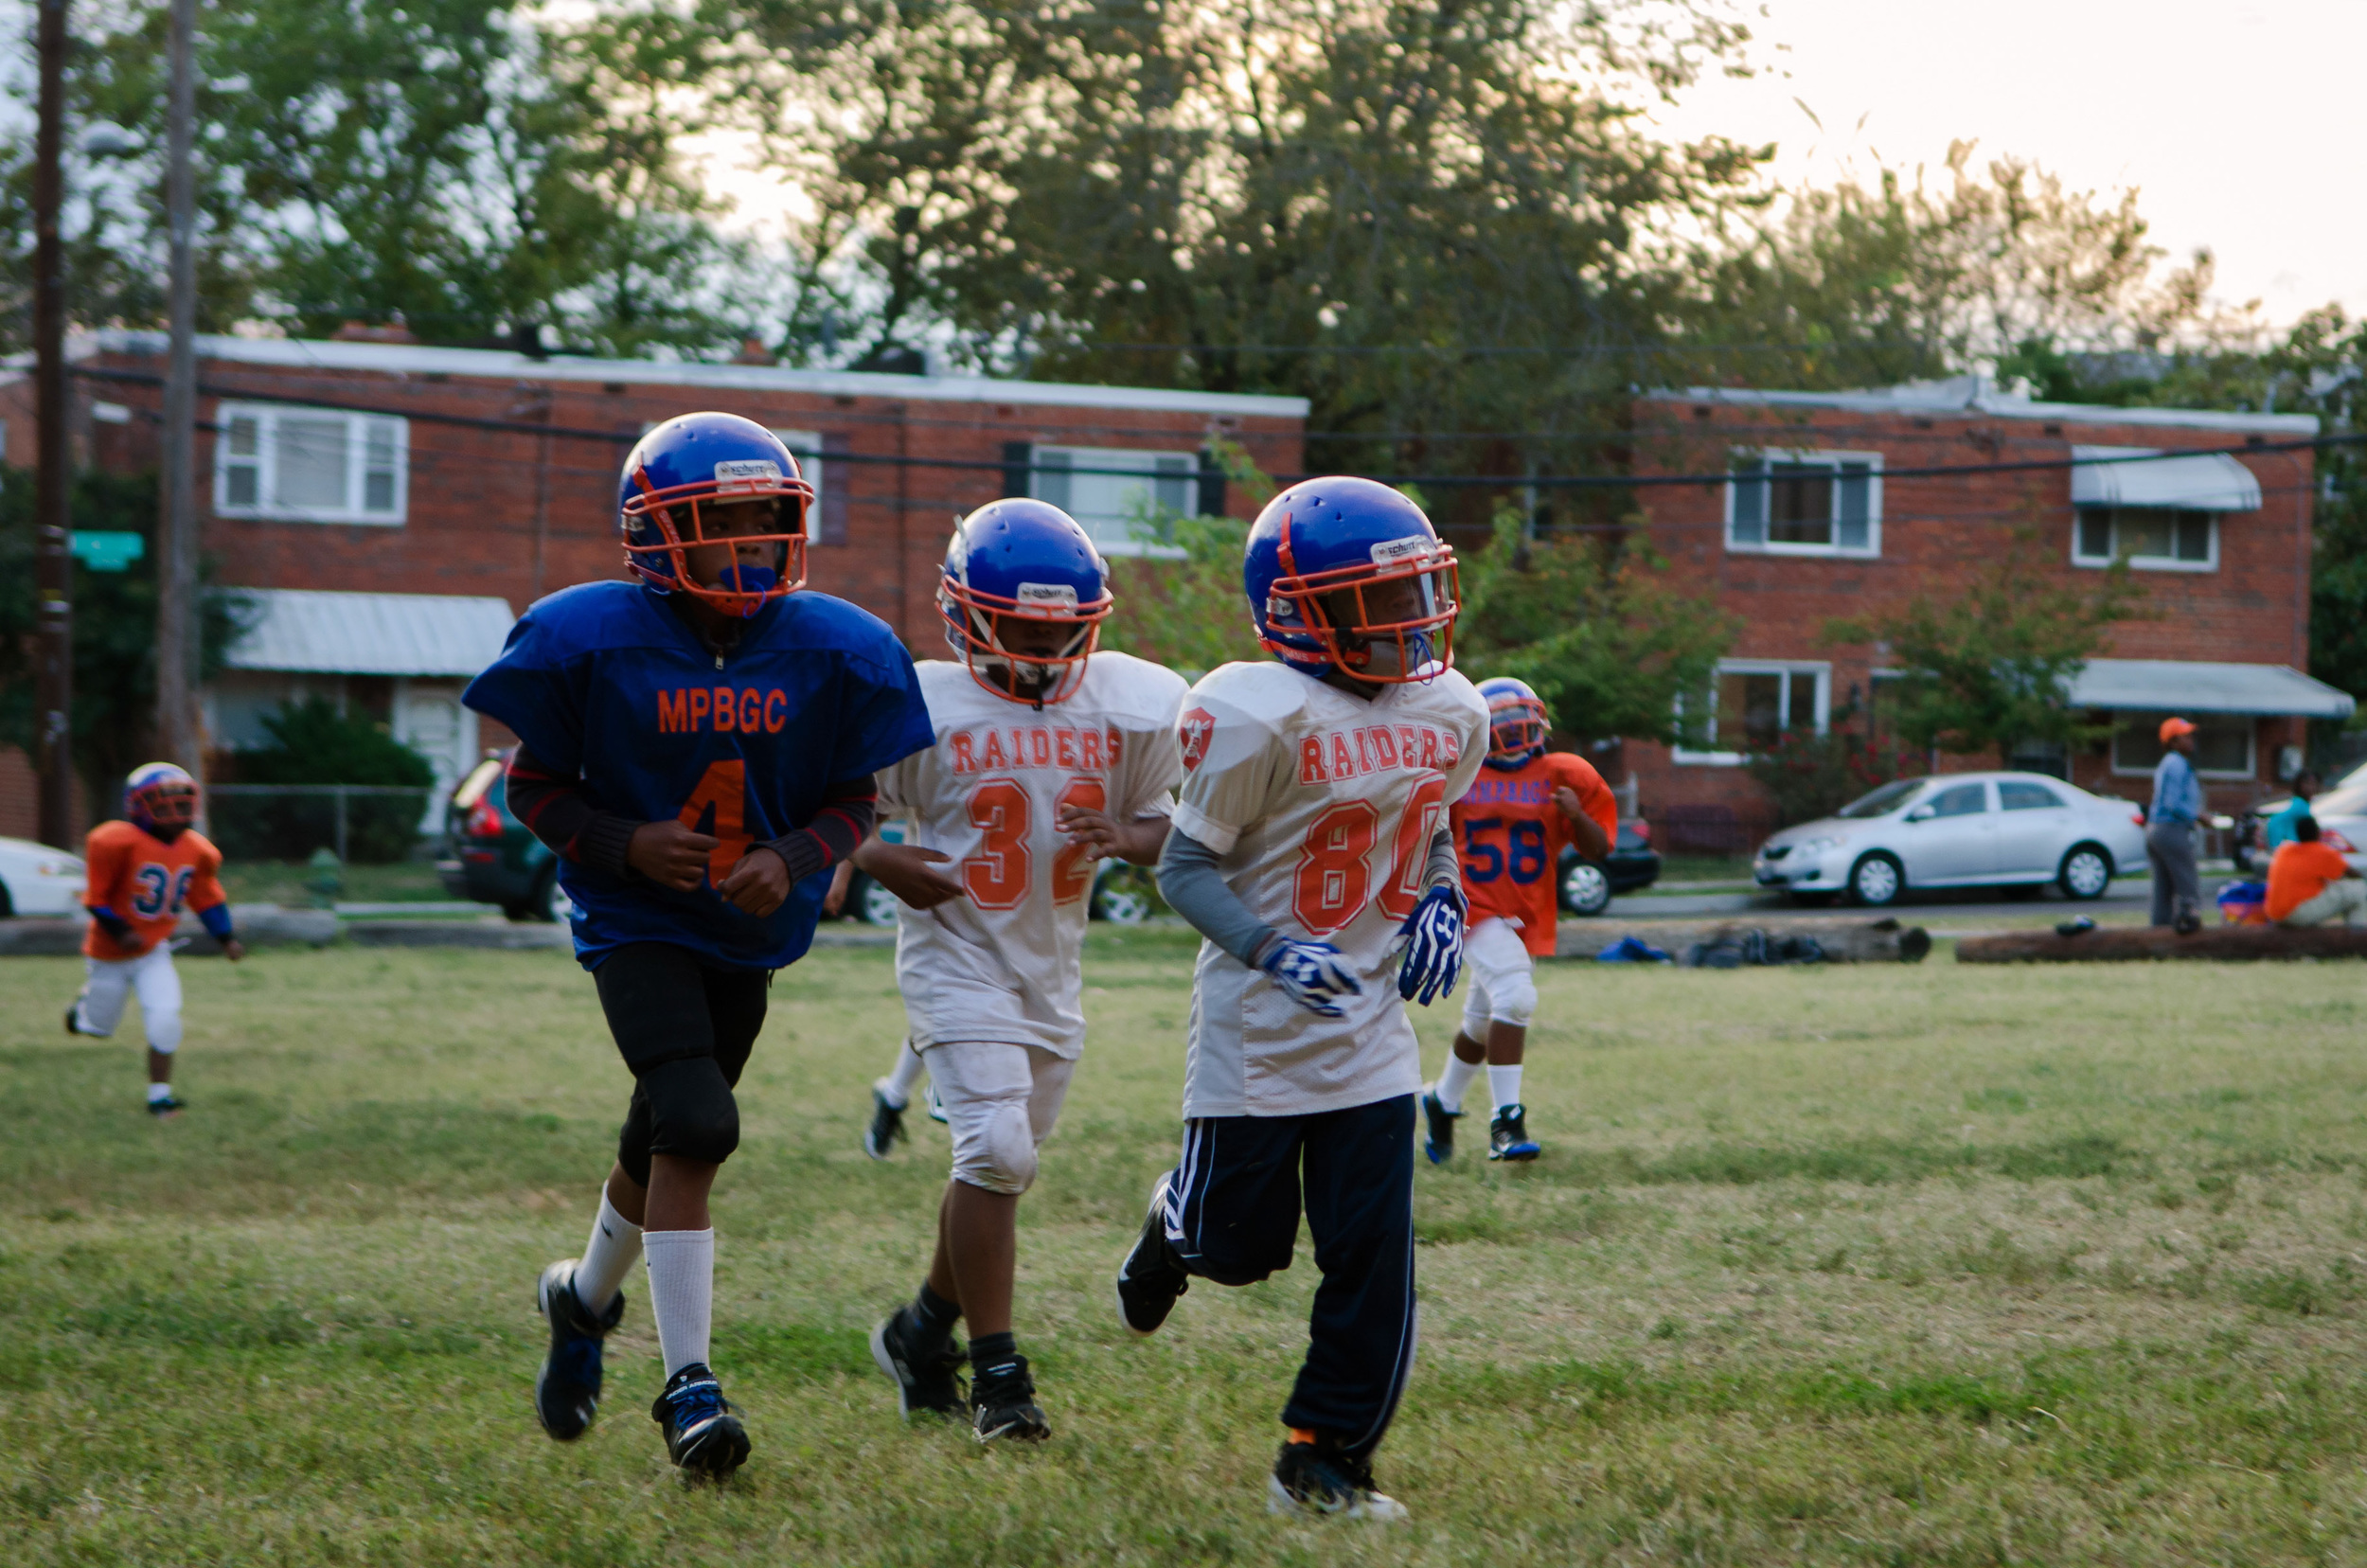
555	810
843	821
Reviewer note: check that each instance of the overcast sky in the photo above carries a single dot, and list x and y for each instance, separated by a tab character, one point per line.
2242	123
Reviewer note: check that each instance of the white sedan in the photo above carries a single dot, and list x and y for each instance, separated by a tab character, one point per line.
1959	830
37	880
2342	813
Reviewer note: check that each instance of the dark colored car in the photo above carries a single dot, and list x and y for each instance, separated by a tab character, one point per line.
492	858
1122	894
1587	885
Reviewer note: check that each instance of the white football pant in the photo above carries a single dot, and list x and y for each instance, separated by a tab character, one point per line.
1497	978
1000	1102
114	981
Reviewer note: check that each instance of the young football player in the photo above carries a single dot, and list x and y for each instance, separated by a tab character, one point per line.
1311	849
697	746
143	871
1512	827
1049	755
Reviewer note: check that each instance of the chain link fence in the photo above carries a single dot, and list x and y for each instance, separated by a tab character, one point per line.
371	823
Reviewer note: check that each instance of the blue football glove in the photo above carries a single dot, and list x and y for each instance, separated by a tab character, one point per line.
1433	945
1310	974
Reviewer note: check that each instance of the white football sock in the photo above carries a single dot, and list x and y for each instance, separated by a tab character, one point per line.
681	1293
608	1256
897	1086
1503	1085
159	1092
1455	1080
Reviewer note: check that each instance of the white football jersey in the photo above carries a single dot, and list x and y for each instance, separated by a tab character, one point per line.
1321	806
1002	963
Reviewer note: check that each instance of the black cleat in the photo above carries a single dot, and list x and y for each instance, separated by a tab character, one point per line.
1152	1278
171	1105
2187	924
702	1436
1316	1479
71	1008
1508	1135
887	1124
1437	1127
925	1379
1004	1408
567	1390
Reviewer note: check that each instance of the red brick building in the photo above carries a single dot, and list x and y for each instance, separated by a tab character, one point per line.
1815	521
388	509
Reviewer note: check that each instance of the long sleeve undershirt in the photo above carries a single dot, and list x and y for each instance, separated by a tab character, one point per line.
556	811
1194	888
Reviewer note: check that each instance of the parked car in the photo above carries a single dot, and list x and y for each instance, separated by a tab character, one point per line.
37	880
1587	886
1958	830
1123	894
491	857
2342	813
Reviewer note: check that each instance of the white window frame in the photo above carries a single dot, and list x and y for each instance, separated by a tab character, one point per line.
1820	457
2250	769
2141	564
1717	757
801	442
264	464
1112	532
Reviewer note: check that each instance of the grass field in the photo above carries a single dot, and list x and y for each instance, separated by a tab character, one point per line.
1882	1265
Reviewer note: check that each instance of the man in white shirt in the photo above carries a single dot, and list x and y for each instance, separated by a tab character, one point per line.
1311	849
1048	755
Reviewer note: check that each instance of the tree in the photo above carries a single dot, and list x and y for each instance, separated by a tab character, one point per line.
115	629
1185	611
1604	637
1429	220
1994	665
316	742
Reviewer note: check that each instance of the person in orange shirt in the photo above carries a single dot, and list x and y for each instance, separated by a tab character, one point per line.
1510	830
2311	884
143	872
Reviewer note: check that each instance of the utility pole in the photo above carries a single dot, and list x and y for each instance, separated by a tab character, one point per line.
53	695
178	733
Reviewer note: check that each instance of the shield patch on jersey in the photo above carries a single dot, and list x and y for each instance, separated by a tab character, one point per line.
1193	731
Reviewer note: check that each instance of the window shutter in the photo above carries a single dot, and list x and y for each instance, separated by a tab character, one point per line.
1212	483
1853	525
1750	498
1017	459
831	527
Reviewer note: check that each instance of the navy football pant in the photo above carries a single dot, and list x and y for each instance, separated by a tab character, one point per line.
685	1028
1233	1216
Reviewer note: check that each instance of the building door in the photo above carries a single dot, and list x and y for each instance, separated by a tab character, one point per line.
430	719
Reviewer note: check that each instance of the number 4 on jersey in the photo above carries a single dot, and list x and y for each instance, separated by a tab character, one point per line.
719	808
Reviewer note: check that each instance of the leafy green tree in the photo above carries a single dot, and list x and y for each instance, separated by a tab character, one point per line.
1599	630
1993	665
115	629
1810	775
1186	610
313	742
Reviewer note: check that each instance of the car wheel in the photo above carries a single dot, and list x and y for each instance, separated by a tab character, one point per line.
1585	890
874	905
1876	880
546	904
1121	898
2086	872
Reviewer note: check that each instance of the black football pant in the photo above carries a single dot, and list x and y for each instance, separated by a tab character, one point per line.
685	1026
1233	1216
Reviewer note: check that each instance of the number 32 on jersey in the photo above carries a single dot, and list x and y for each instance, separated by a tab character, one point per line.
999	875
1335	864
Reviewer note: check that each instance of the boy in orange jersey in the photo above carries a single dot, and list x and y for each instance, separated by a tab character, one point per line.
143	872
1526	806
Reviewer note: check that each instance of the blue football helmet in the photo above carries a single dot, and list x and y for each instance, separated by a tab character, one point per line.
1024	595
1346	573
1516	722
677	476
160	798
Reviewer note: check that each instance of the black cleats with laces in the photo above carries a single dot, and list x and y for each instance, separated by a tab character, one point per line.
1508	1135
927	1378
1317	1480
1152	1276
1002	1404
702	1436
567	1390
171	1105
1437	1127
887	1124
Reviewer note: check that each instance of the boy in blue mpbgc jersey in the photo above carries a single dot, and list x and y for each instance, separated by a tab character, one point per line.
697	746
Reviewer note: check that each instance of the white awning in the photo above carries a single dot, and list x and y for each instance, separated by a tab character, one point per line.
2208	481
296	629
2181	686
